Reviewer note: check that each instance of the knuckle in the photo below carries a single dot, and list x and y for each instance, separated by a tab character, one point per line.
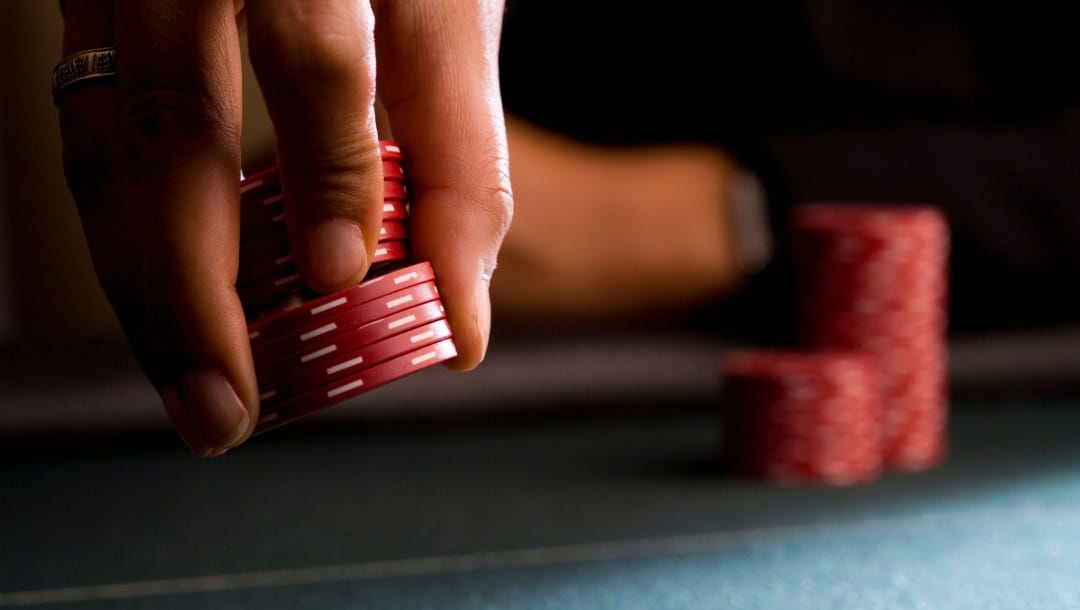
159	122
496	203
311	51
494	198
331	186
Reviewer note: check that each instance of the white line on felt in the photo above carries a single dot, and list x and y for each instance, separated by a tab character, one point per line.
494	560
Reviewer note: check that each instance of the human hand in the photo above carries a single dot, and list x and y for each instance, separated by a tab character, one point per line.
645	233
152	159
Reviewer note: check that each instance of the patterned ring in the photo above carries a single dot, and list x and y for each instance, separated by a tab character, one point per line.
83	66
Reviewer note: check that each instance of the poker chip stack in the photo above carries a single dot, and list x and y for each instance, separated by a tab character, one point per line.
808	417
312	351
874	279
872	306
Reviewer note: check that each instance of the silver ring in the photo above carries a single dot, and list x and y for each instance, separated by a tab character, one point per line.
81	67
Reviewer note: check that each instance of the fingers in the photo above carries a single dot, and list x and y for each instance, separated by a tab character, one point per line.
439	80
315	64
179	125
94	169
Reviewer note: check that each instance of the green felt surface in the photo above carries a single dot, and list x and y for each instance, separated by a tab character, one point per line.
618	511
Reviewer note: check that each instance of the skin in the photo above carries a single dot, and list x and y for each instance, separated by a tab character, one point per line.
606	236
153	159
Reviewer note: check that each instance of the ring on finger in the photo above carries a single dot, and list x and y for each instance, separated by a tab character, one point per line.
81	67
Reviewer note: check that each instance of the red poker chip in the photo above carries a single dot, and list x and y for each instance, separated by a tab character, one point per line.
266	179
393	170
924	446
389	149
287	279
300	337
395	210
277	323
393	230
393	190
803	417
333	346
390	252
315	376
355	384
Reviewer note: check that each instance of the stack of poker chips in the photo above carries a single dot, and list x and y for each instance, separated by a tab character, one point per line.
809	416
314	350
872	301
874	279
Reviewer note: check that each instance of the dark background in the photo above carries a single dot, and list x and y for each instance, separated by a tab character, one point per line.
971	106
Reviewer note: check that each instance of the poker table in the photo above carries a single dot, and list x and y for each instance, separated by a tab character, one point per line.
565	472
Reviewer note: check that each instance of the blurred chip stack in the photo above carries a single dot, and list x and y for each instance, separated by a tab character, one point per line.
873	283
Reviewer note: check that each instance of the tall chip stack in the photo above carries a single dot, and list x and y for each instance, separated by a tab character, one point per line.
873	278
314	350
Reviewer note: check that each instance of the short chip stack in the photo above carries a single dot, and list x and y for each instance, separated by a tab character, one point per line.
872	287
811	417
312	351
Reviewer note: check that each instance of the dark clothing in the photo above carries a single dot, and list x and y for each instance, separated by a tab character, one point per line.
962	104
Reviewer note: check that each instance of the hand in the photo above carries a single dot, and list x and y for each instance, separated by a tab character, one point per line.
153	162
645	233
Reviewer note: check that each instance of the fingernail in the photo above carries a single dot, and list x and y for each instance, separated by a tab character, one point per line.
483	312
174	407
214	408
336	252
